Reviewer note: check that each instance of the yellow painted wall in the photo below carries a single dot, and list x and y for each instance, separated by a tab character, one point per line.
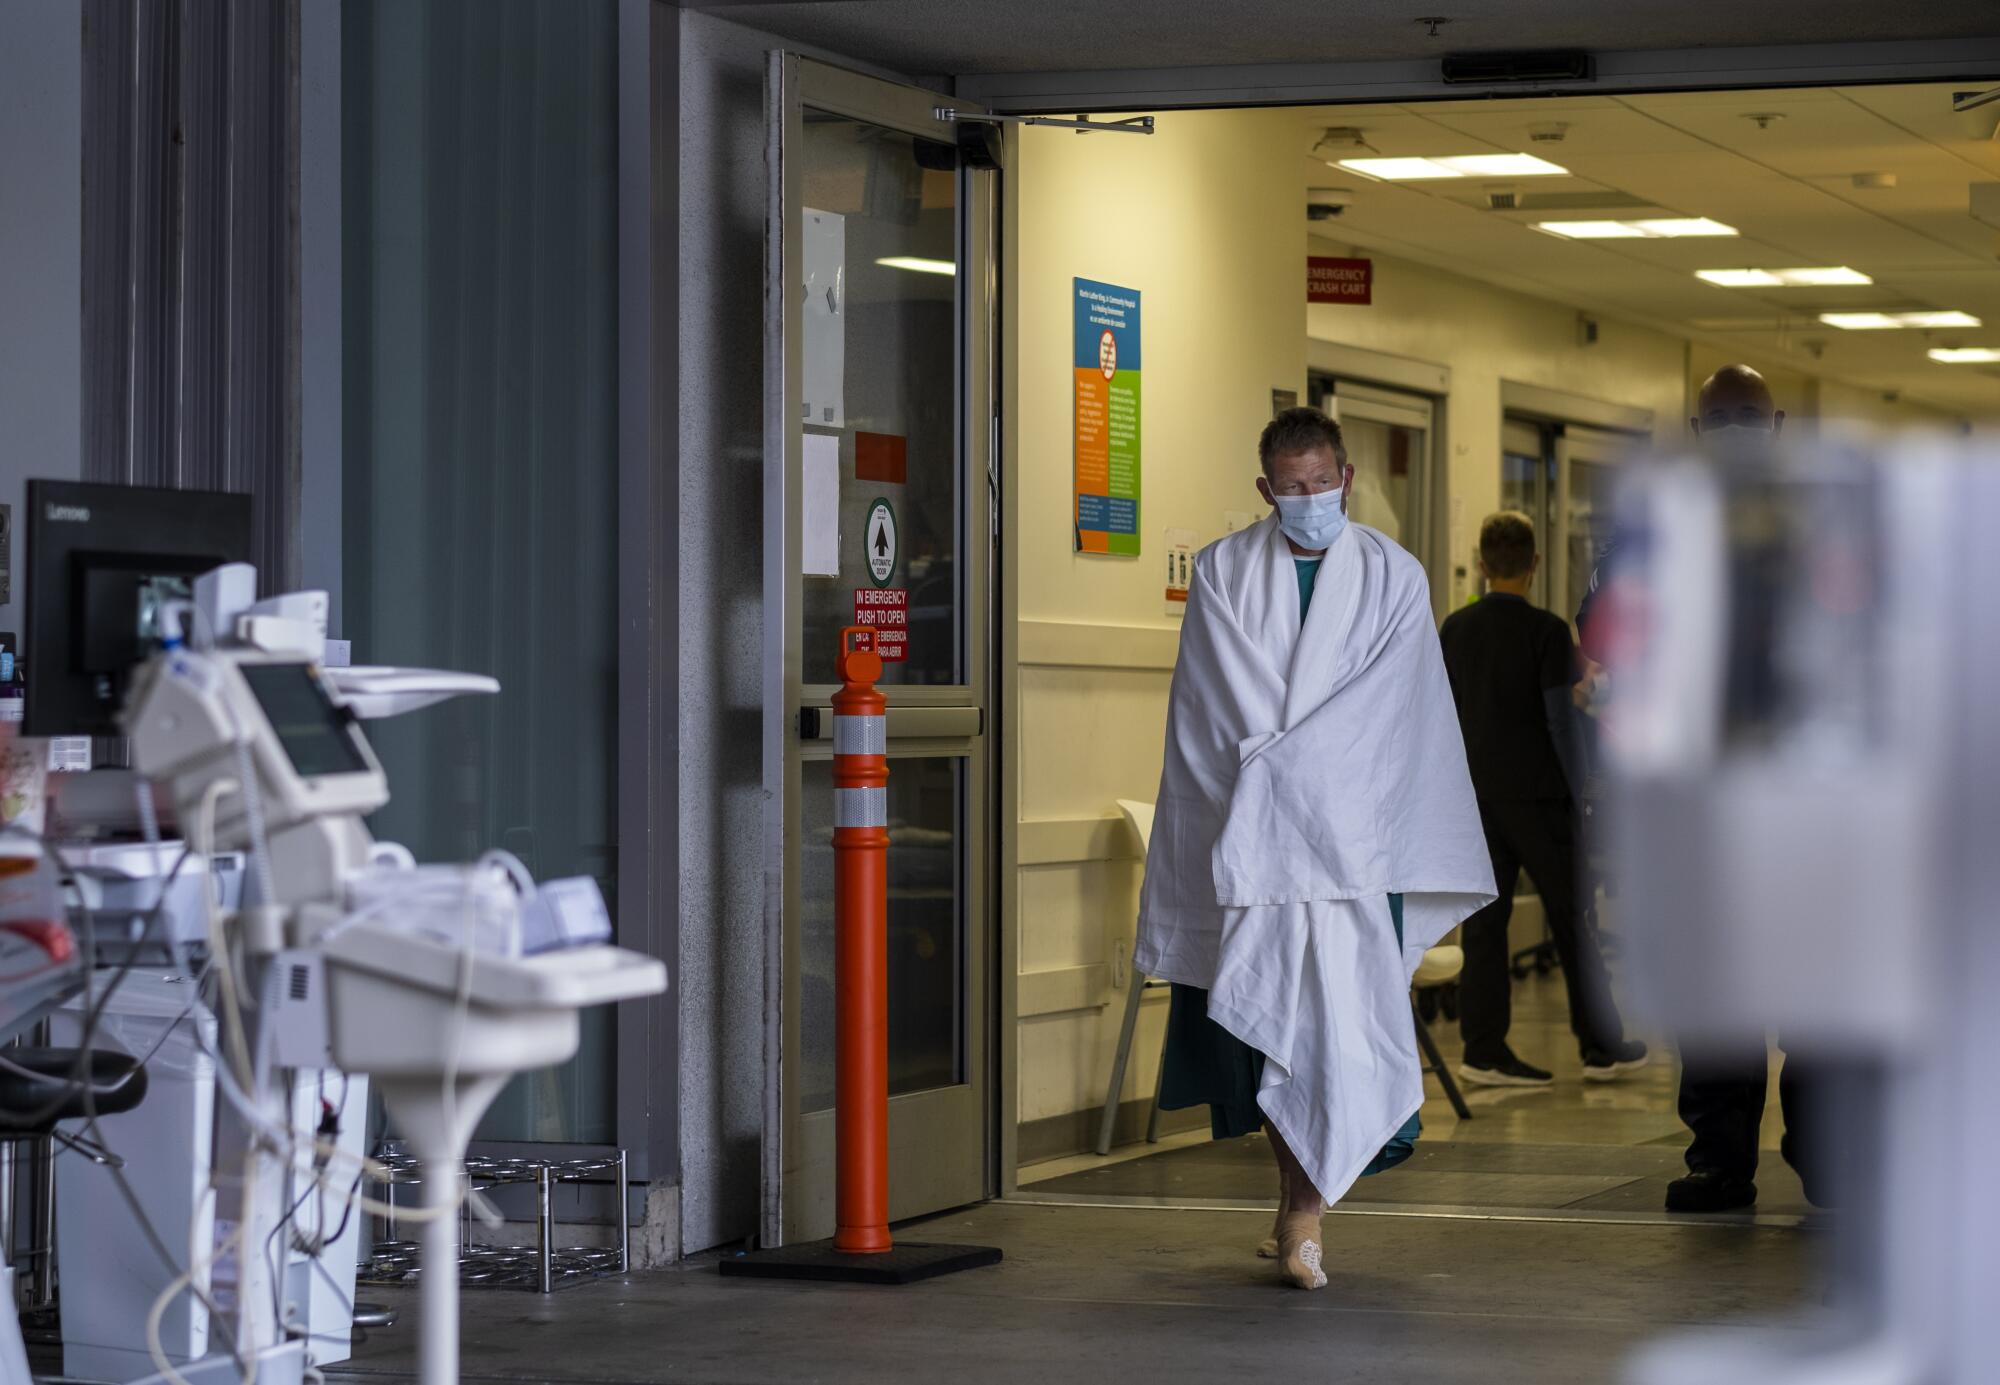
1202	218
1484	336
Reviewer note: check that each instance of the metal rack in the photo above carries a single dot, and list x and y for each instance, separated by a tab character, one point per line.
541	1266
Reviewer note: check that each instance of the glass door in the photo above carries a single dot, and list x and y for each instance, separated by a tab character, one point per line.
1585	471
1527	467
878	512
1388	436
1560	475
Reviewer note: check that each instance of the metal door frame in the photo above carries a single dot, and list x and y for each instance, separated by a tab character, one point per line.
923	721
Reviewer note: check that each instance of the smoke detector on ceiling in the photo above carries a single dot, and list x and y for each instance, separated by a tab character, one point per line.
1764	120
1874	180
1341	142
1548	132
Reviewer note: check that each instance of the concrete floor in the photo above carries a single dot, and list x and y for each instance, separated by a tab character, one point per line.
1543	1293
1092	1294
1573	1149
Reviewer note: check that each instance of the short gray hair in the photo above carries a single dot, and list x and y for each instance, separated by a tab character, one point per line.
1300	429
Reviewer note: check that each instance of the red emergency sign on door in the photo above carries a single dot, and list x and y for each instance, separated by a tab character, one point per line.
1333	279
886	611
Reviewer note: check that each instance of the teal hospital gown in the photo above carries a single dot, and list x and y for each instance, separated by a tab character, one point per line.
1203	1063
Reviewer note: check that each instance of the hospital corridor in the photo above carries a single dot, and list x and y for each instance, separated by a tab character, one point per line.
844	690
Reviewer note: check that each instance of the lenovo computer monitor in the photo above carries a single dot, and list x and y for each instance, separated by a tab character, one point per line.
102	561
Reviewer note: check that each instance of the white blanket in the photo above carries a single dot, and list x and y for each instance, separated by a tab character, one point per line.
1309	775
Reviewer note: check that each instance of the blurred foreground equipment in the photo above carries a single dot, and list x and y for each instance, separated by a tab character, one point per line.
1806	752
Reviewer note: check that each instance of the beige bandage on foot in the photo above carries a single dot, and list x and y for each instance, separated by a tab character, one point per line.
1299	1251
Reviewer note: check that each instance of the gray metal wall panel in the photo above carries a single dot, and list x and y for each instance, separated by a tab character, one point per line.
321	358
649	653
721	979
41	219
203	433
190	236
154	213
107	232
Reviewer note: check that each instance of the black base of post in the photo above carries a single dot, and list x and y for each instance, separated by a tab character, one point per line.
906	1263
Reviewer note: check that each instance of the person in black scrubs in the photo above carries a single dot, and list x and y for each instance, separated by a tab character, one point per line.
1512	669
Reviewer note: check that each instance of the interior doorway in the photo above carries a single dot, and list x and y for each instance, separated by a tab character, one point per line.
1543	313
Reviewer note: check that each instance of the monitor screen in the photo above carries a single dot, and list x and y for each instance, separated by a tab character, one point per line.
102	561
315	735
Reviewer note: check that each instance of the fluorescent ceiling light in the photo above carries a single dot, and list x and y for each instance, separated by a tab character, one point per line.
920	266
1950	319
1966	355
1875	322
1592	230
1824	277
1684	226
1455	166
1398	170
1740	278
1782	278
1505	166
1657	227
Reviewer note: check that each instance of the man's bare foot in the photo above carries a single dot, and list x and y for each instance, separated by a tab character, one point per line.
1300	1252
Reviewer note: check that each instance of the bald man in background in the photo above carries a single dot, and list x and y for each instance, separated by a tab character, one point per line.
1722	1095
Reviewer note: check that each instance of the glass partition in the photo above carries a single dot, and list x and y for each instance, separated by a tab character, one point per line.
480	466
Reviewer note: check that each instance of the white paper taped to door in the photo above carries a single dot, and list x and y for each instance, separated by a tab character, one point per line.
824	320
819	505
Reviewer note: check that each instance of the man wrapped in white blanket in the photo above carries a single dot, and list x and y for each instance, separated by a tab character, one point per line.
1314	777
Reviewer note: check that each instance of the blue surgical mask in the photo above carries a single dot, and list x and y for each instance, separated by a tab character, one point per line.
1312	522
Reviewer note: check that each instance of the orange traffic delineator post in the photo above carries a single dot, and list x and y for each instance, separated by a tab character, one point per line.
861	1248
861	950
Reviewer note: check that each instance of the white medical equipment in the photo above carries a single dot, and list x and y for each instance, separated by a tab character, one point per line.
1807	770
158	1016
329	963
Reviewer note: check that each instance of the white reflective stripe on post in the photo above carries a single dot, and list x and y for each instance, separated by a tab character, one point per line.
860	736
860	807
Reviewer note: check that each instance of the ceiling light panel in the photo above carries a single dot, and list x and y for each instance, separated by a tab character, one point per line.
1966	355
1826	277
1505	166
1950	319
1592	230
1398	170
1674	226
1822	277
1859	322
1653	228
1740	278
1875	322
1455	166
